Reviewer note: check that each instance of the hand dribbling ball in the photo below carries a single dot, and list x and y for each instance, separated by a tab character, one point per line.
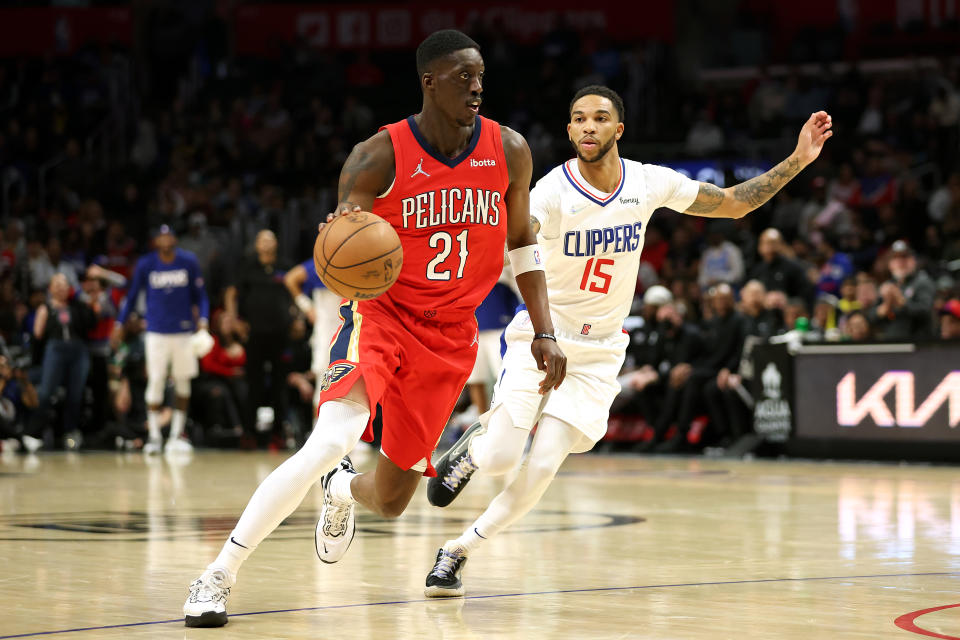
358	255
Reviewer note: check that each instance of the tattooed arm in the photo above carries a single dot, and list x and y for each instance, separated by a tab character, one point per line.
368	172
741	199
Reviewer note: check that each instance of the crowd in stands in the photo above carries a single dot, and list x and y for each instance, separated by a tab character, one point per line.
243	161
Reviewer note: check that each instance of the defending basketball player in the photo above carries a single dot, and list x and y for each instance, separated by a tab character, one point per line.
591	214
455	186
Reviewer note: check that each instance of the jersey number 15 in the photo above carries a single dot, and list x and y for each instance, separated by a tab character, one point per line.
600	282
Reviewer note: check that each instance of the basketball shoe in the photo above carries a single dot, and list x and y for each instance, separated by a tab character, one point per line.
336	527
454	469
178	446
444	580
207	604
153	447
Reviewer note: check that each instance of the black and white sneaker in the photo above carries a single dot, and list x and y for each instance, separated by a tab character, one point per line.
206	606
454	469
336	527
444	580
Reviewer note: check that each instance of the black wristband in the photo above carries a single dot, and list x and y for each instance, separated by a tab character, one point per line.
544	336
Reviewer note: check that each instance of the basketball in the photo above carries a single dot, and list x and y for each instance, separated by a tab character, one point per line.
358	255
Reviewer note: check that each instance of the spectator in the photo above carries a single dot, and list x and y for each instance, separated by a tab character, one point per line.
222	387
258	285
835	266
18	397
950	320
98	296
723	338
775	271
722	260
905	310
857	328
656	387
64	322
762	321
128	384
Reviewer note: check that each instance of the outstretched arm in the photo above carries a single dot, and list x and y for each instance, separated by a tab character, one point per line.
532	284
741	199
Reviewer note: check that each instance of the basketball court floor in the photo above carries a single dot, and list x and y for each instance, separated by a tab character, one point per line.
104	546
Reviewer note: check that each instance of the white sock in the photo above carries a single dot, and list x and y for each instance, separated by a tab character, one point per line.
469	540
153	425
177	423
233	554
340	486
339	426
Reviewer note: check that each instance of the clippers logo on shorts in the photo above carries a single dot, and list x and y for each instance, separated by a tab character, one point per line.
335	374
586	330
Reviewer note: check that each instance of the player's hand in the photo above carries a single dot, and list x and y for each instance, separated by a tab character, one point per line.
814	133
549	358
342	208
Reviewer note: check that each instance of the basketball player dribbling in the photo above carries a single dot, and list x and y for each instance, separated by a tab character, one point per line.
455	186
590	214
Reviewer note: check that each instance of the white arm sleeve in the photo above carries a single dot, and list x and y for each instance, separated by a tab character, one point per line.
669	188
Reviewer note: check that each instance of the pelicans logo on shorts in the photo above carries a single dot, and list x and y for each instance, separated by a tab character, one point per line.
335	374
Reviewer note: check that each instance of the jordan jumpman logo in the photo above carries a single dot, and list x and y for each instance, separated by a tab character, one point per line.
419	170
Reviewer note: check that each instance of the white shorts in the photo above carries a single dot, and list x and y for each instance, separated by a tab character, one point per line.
326	306
583	399
170	352
487	367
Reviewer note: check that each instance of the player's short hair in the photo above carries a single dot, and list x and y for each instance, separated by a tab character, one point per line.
603	92
439	44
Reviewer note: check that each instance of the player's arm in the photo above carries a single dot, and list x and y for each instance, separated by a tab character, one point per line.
368	172
198	294
139	278
739	200
521	241
293	281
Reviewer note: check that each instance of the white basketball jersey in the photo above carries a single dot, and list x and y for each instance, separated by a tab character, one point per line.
591	241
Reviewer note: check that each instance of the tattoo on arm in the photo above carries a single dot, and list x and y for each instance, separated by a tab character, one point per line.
709	198
357	163
757	191
535	225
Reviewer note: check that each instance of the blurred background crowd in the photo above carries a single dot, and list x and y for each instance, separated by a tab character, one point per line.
190	123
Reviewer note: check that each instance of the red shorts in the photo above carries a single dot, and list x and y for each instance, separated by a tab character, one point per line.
413	368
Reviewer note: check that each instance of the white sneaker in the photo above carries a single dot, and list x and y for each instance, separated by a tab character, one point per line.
207	604
178	446
336	527
153	447
32	444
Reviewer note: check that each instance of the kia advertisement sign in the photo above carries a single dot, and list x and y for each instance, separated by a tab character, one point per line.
894	392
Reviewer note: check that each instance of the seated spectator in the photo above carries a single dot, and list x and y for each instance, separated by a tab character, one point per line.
905	310
950	320
835	266
857	328
722	260
128	386
823	325
762	321
18	397
777	272
656	387
723	337
64	322
222	387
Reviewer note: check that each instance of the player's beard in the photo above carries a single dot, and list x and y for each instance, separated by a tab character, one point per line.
601	152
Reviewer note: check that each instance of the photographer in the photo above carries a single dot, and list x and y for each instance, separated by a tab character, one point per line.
17	398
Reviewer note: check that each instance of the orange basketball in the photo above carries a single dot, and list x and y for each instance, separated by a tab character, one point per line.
358	255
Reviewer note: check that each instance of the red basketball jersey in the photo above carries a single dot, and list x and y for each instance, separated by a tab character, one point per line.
451	216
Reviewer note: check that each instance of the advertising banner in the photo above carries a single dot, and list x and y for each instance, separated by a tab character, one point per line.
893	392
773	391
